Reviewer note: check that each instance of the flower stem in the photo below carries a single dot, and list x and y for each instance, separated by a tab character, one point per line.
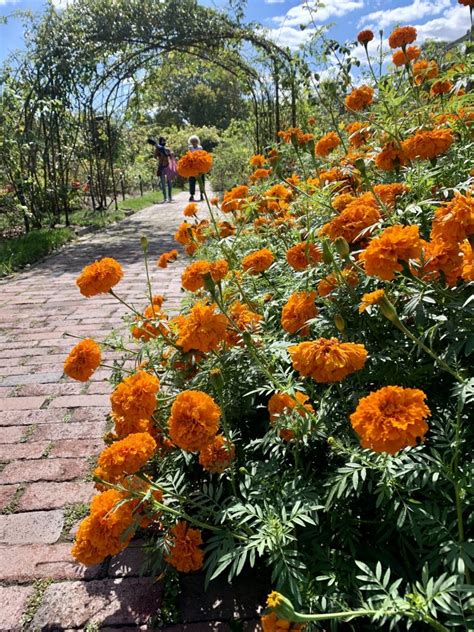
427	350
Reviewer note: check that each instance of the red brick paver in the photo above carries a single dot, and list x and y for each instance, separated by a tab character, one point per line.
51	429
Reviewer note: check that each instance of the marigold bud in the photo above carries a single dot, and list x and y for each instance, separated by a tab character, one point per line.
209	283
144	242
217	379
339	322
282	607
342	247
360	165
388	309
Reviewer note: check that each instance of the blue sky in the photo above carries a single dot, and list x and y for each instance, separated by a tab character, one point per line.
434	19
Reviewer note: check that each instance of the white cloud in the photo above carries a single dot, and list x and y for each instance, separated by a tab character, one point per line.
5	2
274	1
309	11
452	24
289	36
409	14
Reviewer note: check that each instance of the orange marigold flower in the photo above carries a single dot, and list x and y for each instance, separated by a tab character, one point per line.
191	209
401	58
441	87
167	257
467	269
135	397
365	36
125	427
99	277
234	199
193	275
428	144
185	554
147	329
396	243
454	221
341	201
106	531
194	164
402	36
260	174
245	320
271	623
226	229
279	192
194	420
336	175
214	201
358	133
124	457
293	135
244	317
184	234
424	69
388	193
282	405
391	157
83	360
303	255
218	455
219	269
358	216
467	3
372	298
294	179
331	281
327	144
297	311
305	138
273	156
257	160
327	360
391	418
202	330
441	257
258	261
359	98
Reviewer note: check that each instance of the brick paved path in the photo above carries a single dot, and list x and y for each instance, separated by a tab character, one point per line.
50	433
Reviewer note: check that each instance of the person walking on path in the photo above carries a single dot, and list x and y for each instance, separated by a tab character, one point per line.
166	168
194	145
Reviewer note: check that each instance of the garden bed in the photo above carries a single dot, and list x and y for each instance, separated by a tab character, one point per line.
308	411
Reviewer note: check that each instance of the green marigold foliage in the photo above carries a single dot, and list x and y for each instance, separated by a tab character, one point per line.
372	314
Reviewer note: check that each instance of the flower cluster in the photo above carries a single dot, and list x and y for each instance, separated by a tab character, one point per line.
313	386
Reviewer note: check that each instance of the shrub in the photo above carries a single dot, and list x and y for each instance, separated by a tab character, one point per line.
313	411
19	251
231	157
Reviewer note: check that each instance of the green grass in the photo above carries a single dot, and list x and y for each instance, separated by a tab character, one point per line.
149	198
86	217
17	252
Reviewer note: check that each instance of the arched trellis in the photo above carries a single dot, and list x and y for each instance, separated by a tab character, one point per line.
93	46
